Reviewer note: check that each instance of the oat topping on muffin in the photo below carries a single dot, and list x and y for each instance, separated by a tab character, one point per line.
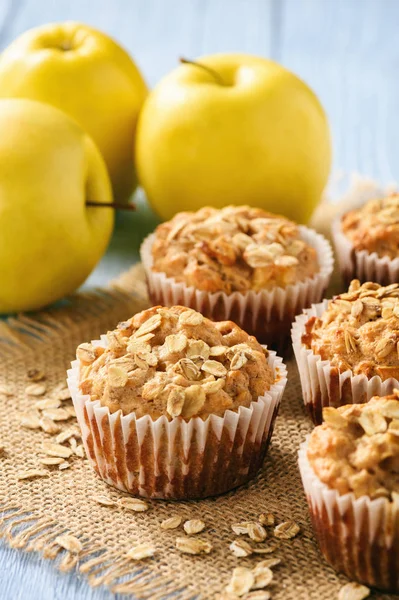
174	362
237	248
375	226
359	331
356	449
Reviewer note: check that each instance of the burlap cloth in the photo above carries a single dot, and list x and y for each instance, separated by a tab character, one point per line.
36	511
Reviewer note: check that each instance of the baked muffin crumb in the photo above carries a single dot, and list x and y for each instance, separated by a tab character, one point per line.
356	449
359	331
175	362
374	227
237	248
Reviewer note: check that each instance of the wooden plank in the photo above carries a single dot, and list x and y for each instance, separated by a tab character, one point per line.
347	52
239	26
155	32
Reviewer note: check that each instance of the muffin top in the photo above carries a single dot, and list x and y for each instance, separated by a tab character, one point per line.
234	249
359	331
356	449
175	362
375	226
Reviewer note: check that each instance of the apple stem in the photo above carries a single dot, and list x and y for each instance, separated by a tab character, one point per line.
115	205
215	74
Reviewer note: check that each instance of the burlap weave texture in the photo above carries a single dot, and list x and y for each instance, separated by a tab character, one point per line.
36	511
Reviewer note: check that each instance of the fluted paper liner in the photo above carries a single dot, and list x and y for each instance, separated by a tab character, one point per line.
357	536
266	314
322	384
362	265
178	459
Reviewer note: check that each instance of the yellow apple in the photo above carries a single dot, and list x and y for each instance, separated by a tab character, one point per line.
233	129
86	74
50	240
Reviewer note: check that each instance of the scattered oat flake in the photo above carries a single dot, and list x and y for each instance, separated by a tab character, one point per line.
30	420
71	410
104	501
47	403
263	577
266	519
258	595
56	450
240	548
6	390
51	460
286	530
171	523
256	532
49	426
194	526
190	545
79	451
69	542
57	414
134	504
64	465
353	591
241	581
66	435
36	389
241	528
61	392
141	551
264	549
268	562
31	474
35	375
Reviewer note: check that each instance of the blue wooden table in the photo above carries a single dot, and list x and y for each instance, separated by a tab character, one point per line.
347	50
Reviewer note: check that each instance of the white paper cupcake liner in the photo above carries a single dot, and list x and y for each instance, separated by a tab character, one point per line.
362	265
177	459
266	314
322	384
357	536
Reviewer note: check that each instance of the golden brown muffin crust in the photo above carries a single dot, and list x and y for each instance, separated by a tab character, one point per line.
237	248
359	331
174	362
356	449
375	226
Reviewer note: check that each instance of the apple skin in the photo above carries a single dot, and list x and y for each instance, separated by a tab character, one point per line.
86	74
50	241
261	139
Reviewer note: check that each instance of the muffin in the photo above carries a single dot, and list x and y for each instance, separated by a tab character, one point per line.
366	241
238	263
172	405
347	349
350	471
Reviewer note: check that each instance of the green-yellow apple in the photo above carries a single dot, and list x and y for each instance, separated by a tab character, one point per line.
50	240
86	74
233	129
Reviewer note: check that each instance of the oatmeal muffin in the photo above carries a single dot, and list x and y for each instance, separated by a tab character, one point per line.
367	241
171	391
355	339
235	249
350	470
238	263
